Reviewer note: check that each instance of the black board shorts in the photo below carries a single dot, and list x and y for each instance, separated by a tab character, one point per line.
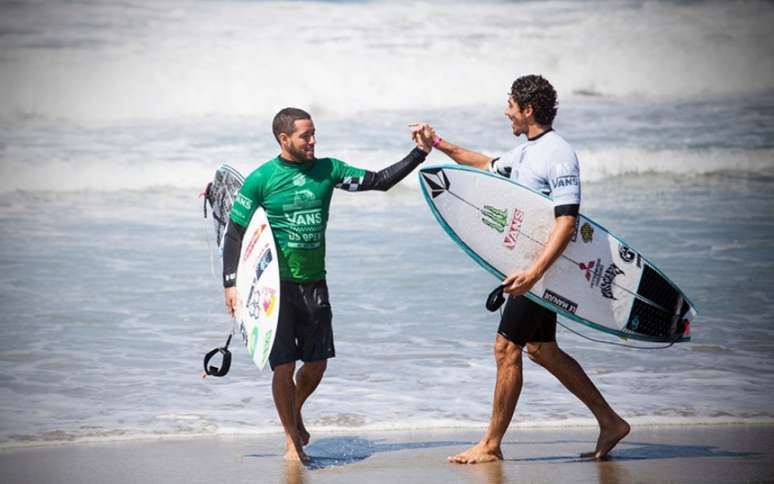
525	322
304	329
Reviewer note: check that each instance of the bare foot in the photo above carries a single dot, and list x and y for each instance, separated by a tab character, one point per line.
478	454
302	432
296	456
295	452
609	436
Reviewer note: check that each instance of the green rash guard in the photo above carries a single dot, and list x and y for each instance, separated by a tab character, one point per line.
296	198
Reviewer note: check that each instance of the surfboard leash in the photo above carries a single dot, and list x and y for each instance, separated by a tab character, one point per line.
225	365
212	370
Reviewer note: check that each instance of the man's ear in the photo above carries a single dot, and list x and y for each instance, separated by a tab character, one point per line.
528	111
283	139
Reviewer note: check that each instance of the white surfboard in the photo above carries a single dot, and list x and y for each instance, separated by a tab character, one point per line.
258	288
257	283
599	280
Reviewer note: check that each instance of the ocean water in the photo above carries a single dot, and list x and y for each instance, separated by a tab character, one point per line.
113	116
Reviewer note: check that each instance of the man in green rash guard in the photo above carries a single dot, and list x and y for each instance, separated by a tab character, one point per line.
295	190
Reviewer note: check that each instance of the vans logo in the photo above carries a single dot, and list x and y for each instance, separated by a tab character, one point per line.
244	201
514	229
565	181
305	217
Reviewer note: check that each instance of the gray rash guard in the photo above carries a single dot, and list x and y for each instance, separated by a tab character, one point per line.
548	165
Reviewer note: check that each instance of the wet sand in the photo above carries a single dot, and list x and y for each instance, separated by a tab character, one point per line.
723	453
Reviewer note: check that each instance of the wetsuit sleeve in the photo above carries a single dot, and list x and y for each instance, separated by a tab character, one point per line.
232	247
247	201
564	178
359	180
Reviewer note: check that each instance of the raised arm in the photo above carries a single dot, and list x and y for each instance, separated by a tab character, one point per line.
425	133
357	180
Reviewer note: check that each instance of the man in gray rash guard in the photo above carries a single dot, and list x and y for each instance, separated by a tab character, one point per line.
546	163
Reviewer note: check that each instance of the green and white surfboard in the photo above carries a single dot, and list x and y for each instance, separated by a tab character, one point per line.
599	280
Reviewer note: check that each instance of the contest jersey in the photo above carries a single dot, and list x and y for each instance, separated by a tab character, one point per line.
296	198
546	164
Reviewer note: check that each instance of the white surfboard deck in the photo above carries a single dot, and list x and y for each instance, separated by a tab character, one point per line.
258	288
257	283
599	280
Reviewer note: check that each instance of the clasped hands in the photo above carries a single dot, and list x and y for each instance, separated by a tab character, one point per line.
423	135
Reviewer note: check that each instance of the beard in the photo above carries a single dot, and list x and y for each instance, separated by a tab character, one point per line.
300	154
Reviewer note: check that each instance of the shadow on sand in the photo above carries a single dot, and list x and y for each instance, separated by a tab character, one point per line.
629	451
336	451
339	451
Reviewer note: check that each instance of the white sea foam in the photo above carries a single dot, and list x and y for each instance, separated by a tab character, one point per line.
105	174
172	60
597	164
56	438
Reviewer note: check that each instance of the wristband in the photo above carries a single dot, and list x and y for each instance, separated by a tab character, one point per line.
437	141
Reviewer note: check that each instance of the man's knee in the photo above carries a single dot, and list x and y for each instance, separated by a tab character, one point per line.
315	369
284	372
543	352
506	351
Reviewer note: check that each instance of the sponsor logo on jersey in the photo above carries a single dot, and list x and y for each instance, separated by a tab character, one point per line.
560	301
253	240
305	217
299	180
514	229
494	218
565	181
244	201
587	232
607	281
303	198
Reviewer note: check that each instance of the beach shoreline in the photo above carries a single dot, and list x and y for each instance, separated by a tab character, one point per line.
715	453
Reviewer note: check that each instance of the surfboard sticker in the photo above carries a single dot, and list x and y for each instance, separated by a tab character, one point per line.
599	280
257	282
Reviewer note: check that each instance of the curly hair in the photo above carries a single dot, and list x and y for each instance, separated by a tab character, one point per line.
285	121
539	93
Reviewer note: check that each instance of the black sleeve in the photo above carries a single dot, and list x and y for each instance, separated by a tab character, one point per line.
570	209
385	179
232	247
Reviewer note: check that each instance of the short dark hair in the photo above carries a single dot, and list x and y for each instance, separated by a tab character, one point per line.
536	91
285	120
